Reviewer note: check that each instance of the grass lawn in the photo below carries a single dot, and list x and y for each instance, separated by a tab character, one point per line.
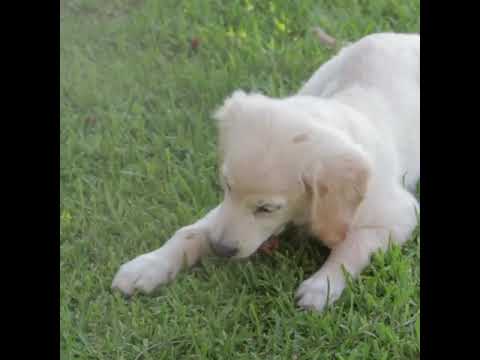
138	161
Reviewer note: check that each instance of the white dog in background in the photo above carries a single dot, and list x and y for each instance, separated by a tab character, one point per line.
341	156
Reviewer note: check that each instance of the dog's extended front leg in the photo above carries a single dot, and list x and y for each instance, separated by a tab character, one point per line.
148	271
326	285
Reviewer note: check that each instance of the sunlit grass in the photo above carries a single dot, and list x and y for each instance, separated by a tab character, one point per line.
138	161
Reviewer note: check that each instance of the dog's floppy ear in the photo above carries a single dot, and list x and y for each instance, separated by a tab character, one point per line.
337	185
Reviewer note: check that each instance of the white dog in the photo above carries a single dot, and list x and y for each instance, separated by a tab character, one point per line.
339	156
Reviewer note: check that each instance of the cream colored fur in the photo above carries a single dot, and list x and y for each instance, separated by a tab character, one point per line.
341	156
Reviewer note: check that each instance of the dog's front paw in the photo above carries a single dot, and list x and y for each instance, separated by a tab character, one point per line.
143	274
320	290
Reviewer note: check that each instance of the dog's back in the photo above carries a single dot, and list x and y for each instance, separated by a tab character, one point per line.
379	60
379	75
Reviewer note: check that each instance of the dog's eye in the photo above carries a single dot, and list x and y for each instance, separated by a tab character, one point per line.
263	209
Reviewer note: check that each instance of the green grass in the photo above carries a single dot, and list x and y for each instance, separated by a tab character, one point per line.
138	161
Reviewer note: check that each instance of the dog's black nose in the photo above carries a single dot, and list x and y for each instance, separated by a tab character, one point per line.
224	250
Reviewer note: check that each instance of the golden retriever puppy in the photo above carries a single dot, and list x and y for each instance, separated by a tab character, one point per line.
341	156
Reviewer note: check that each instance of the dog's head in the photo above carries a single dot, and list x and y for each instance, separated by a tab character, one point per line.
278	165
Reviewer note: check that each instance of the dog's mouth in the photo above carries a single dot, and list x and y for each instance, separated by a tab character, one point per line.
278	231
272	242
